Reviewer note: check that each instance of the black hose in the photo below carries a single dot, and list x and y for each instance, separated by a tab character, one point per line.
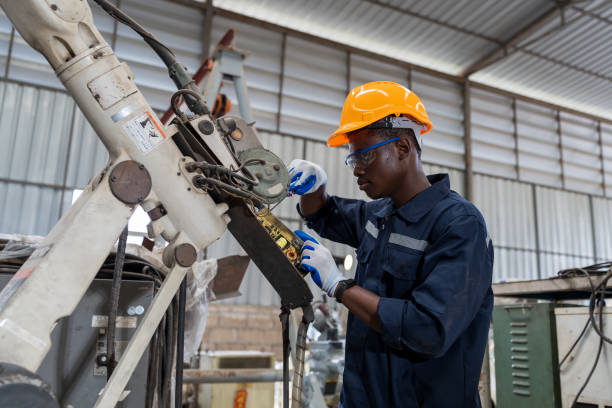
112	315
180	345
284	318
601	344
168	357
570	272
176	71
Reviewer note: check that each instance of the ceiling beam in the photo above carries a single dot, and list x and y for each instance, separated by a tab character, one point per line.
502	51
359	51
434	21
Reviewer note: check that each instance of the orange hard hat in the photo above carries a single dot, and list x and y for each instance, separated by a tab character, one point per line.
373	101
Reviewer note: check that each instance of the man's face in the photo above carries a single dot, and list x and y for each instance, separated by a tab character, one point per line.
379	178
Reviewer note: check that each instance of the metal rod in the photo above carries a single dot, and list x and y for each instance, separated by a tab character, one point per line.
284	318
467	126
348	72
515	135
601	159
281	81
180	345
409	78
231	376
208	12
536	229
593	234
9	54
560	135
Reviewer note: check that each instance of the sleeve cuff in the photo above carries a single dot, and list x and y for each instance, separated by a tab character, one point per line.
390	312
312	218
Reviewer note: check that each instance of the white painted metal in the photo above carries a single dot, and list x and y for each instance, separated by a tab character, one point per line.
573	373
72	253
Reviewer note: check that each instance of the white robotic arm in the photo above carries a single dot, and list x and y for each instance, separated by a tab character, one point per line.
146	167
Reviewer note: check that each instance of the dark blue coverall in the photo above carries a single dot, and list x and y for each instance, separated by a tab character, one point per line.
431	262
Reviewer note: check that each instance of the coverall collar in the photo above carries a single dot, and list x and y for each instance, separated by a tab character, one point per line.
420	204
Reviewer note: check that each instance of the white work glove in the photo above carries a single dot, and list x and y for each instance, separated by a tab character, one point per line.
306	177
317	260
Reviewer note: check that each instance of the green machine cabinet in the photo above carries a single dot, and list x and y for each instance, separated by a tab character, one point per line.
526	362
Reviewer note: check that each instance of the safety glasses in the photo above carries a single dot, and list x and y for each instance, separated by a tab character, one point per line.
364	157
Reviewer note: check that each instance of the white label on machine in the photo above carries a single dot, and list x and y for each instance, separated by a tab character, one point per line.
145	132
122	322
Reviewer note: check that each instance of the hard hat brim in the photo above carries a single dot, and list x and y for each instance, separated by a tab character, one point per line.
340	136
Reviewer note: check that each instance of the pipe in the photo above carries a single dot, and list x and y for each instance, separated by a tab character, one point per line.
231	376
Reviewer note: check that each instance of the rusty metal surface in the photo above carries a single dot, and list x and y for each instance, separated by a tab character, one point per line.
185	255
230	272
157	212
130	182
231	376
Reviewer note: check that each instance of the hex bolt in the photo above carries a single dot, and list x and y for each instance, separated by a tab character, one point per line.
113	178
141	166
276	167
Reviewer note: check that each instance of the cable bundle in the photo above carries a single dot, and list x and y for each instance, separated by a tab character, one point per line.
597	299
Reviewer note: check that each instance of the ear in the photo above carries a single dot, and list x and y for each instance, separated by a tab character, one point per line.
403	147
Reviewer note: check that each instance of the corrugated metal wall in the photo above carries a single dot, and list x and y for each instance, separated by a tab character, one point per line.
524	155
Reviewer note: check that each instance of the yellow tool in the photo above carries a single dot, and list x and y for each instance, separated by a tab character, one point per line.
287	241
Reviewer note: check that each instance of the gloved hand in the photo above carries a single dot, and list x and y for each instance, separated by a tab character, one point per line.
317	260
306	177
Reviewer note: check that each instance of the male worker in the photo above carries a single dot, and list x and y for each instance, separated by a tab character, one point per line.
421	301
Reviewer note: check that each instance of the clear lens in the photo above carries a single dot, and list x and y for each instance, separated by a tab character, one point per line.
362	160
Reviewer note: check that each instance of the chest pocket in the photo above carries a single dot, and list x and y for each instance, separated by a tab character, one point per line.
403	258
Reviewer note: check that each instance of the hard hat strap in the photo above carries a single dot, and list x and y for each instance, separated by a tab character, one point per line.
399	122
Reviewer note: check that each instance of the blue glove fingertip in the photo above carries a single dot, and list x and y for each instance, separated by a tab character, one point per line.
307	247
307	184
316	278
305	237
296	176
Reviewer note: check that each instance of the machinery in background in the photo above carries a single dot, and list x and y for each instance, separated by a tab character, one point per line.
323	382
76	366
553	354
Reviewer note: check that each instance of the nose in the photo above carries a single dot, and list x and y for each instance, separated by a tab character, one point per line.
358	171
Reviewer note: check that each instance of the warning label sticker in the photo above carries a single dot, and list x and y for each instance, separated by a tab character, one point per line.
145	132
123	322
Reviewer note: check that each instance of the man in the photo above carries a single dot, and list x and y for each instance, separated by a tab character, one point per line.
421	301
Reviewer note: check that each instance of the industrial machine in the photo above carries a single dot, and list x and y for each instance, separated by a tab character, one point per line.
195	178
552	354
